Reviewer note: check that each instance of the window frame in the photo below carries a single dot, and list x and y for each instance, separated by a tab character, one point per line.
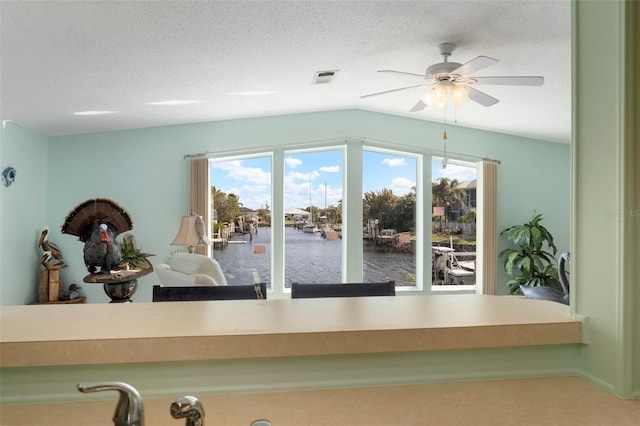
352	179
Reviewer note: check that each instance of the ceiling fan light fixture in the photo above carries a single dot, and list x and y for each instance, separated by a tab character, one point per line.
459	94
458	79
436	97
440	92
427	98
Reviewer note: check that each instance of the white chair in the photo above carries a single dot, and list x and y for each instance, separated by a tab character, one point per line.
190	269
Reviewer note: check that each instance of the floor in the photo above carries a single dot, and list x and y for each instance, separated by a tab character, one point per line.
561	401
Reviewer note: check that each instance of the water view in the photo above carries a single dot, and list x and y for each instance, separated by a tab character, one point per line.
313	192
309	258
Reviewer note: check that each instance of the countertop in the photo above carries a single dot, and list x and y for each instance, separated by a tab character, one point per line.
182	331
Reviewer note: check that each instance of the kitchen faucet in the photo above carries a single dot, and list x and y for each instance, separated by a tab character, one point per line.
129	409
188	407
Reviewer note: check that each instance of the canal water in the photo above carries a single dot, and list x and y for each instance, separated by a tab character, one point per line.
309	258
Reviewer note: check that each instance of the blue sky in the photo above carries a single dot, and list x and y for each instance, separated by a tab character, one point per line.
311	177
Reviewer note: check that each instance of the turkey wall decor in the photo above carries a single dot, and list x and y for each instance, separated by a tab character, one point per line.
97	223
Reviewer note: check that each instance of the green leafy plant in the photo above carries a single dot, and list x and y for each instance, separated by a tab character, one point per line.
131	254
532	261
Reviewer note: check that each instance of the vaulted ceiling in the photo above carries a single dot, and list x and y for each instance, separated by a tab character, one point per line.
256	58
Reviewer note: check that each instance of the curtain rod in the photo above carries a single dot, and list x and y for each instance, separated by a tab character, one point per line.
318	142
414	148
302	144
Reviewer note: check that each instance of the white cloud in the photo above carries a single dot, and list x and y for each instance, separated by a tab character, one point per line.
237	171
293	162
307	177
462	173
256	188
330	169
394	162
299	192
232	190
401	186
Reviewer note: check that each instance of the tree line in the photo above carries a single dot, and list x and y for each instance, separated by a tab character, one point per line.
392	211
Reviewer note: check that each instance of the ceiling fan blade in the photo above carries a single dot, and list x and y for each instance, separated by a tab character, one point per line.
402	73
476	64
511	81
392	90
419	106
481	97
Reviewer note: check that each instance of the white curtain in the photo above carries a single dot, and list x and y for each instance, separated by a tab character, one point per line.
199	193
487	226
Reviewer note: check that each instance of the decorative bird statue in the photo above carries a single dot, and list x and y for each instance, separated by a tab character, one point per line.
49	246
101	249
201	231
50	262
97	223
550	293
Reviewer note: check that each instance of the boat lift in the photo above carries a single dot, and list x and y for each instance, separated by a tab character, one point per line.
455	272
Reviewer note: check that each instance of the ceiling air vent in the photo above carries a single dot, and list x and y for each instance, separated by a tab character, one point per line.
324	77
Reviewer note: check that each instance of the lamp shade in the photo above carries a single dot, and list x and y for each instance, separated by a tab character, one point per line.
459	94
192	232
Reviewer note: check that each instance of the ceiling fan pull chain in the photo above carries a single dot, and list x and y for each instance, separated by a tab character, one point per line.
444	134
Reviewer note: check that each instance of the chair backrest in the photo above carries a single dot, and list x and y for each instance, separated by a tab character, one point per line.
192	263
196	293
299	290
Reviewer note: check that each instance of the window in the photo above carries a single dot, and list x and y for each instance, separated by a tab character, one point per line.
241	219
344	212
313	218
453	252
389	216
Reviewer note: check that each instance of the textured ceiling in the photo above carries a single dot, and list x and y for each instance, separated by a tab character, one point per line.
60	57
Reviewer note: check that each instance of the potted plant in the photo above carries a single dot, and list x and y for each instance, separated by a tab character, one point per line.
532	261
132	257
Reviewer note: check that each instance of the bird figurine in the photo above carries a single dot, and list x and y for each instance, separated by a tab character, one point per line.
97	223
201	231
51	263
71	293
47	245
101	249
550	293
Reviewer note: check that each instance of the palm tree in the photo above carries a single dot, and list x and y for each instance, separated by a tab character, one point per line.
334	214
445	192
227	206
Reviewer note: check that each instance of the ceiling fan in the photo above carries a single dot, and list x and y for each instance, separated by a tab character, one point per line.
456	79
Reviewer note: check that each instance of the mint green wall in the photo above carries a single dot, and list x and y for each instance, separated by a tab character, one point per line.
210	377
23	211
632	180
605	241
145	172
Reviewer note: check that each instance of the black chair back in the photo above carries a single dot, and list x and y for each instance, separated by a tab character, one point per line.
195	293
299	290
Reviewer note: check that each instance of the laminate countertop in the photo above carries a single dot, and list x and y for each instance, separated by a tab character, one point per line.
48	335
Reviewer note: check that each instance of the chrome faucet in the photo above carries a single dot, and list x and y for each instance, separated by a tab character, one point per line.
129	409
188	407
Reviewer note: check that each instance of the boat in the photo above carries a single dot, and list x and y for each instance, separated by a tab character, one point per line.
310	228
453	270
